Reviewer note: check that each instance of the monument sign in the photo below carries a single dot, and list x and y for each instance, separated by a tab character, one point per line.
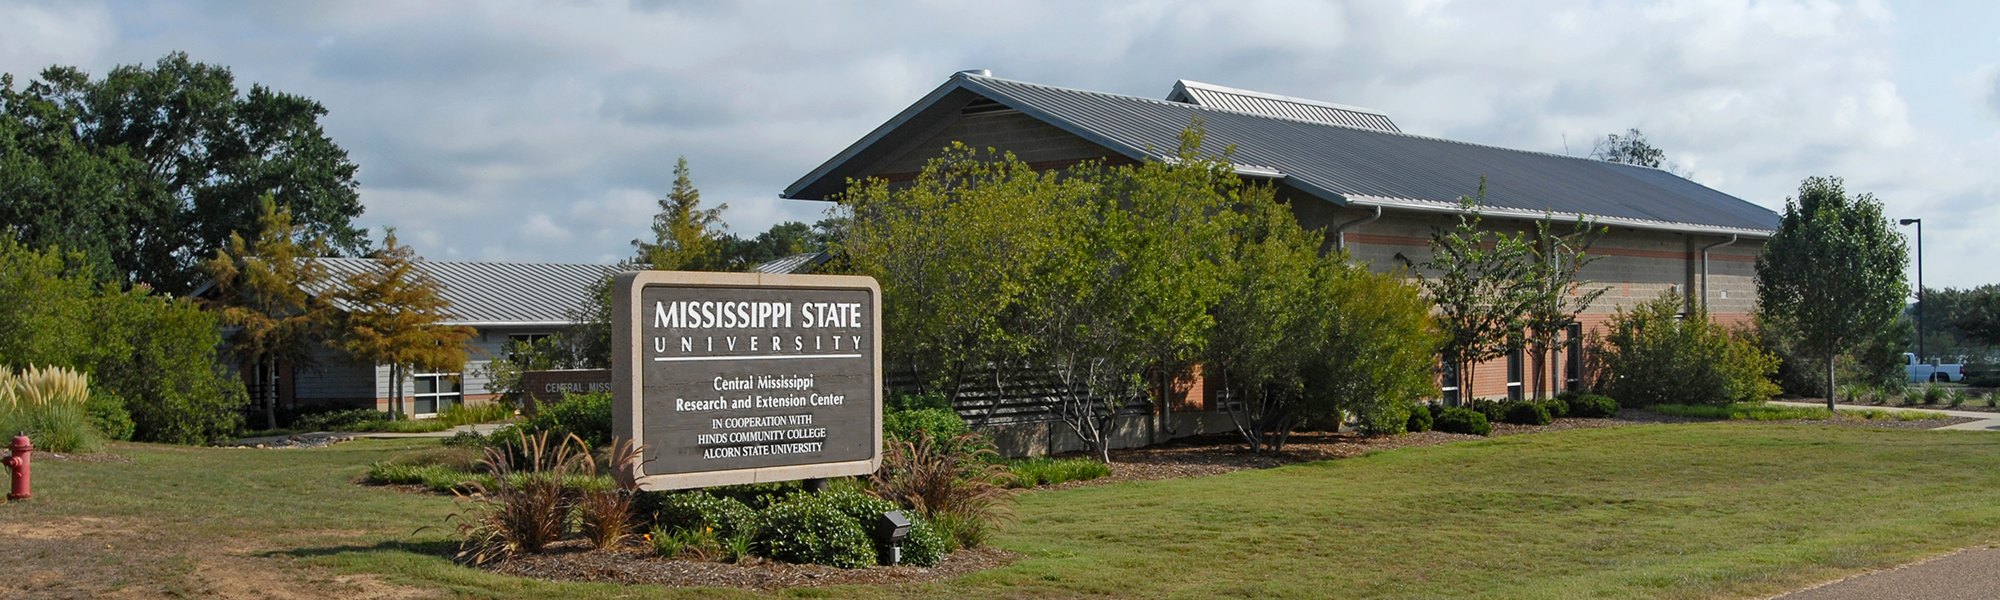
728	378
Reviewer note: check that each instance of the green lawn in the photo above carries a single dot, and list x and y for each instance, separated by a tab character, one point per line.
1665	511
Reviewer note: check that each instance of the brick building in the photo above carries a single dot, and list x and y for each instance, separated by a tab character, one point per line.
1351	172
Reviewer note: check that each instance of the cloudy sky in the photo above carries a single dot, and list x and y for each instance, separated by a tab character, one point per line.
543	131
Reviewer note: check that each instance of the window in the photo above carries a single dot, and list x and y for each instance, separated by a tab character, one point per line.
1514	374
1448	374
514	340
435	391
1573	358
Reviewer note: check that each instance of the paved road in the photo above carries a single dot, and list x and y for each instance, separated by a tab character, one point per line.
1972	574
1987	421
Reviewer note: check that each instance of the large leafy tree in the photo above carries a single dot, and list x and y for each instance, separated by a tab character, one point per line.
264	288
148	171
1832	275
962	252
394	315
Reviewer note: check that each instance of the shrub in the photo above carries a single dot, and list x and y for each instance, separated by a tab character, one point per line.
1658	357
106	413
1557	408
1042	470
49	406
1933	394
587	416
338	420
157	353
1956	398
808	529
460	414
948	481
1589	406
1527	413
1460	420
905	425
1420	419
927	543
700	543
692	510
899	401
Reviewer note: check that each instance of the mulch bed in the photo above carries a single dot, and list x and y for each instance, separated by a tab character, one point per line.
1200	456
572	560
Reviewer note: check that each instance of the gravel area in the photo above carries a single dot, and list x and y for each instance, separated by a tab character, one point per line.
318	439
572	560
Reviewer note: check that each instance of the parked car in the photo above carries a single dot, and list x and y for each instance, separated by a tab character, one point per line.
1922	372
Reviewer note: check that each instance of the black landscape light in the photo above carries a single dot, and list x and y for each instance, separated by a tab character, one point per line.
890	531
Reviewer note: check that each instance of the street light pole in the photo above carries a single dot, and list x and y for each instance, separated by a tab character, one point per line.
1920	285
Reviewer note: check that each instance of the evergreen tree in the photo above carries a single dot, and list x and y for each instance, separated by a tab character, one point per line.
686	237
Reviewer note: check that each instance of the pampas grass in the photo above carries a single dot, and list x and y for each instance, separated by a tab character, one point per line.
47	405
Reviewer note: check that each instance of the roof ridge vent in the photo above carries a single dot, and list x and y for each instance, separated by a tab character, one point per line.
1229	98
977	72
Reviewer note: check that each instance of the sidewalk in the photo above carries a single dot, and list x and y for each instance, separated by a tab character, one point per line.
1970	574
1987	421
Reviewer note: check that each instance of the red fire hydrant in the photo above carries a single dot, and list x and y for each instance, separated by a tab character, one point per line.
18	463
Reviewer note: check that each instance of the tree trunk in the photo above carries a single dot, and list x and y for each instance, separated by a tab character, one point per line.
1830	360
269	381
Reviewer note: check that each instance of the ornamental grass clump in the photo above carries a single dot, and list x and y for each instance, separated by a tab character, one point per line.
535	487
48	405
951	483
605	514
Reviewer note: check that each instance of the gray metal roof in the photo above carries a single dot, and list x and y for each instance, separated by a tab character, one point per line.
796	263
498	293
1229	98
1341	164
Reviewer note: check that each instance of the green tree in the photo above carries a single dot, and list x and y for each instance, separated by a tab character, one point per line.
1485	291
1628	149
1269	325
156	353
1134	290
1302	338
394	315
686	237
959	252
263	289
152	169
1970	315
1833	273
1560	293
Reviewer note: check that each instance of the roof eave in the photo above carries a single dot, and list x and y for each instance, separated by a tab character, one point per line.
1519	213
791	192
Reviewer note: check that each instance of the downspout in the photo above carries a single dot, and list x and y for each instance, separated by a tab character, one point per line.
1340	231
1704	269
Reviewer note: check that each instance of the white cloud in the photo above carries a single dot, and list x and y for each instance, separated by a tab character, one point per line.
543	131
38	36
